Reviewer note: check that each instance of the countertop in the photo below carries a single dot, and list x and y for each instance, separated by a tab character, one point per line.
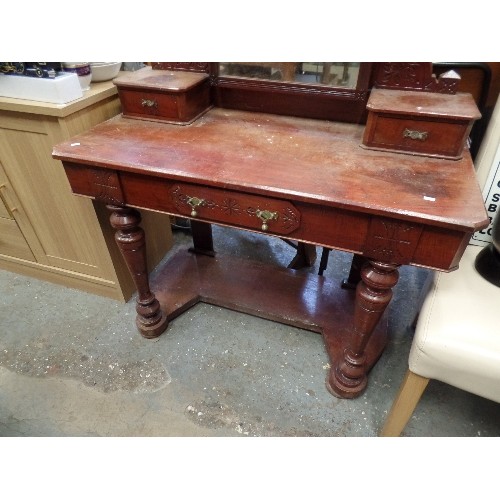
97	92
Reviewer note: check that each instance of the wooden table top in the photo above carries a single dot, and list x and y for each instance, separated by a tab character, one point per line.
313	161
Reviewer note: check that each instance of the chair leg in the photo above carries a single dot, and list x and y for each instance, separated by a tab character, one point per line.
404	405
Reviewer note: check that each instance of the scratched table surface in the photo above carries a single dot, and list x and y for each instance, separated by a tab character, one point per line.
291	158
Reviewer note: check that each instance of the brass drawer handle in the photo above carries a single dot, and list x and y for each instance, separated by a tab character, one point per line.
194	202
416	135
149	103
265	216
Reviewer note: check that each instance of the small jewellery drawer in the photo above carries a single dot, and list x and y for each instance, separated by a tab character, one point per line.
170	96
148	104
419	123
235	209
441	139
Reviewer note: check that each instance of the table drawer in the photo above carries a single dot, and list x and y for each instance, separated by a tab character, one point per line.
12	241
236	209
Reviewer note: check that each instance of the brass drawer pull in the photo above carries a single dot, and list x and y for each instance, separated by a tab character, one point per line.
149	103
265	216
416	135
194	202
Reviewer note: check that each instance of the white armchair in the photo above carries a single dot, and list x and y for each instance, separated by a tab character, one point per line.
457	340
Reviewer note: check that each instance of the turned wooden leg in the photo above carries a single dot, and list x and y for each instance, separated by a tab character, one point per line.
347	378
129	236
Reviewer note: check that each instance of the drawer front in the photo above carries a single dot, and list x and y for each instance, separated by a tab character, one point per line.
235	209
179	107
12	241
432	138
151	105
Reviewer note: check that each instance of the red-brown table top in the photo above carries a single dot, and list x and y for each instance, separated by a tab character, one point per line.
315	161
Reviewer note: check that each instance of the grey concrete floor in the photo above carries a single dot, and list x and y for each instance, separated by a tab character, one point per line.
72	364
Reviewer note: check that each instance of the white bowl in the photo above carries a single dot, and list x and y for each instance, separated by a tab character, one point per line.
103	71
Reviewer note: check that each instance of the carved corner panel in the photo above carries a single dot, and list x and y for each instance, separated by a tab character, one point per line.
413	76
235	209
391	241
105	186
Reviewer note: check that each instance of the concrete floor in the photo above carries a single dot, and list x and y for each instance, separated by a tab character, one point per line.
72	364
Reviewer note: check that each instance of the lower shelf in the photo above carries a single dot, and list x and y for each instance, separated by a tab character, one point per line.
302	300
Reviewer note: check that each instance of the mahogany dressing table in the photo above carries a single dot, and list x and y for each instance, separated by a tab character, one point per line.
303	179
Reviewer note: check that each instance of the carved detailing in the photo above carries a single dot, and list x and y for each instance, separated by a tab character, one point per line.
290	219
183	66
391	241
129	236
231	206
105	186
446	84
348	378
237	209
414	76
402	75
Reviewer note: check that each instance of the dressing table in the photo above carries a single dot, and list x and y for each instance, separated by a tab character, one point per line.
300	178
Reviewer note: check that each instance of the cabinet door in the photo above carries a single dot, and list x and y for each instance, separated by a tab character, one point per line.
3	208
12	241
66	231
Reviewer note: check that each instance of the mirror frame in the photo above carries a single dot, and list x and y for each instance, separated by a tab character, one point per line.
293	98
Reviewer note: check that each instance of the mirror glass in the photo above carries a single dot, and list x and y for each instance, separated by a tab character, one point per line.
332	74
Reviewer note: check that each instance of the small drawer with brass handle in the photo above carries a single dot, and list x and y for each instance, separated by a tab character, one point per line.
178	97
419	123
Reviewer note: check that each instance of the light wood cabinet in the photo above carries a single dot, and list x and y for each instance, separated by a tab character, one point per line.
46	231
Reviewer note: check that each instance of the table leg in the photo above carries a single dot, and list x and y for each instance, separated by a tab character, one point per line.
129	236
305	256
347	378
202	238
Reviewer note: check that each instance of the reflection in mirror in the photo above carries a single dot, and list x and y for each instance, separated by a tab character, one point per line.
333	74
